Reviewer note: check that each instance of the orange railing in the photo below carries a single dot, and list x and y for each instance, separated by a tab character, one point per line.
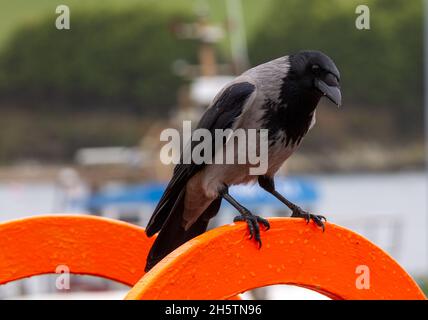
219	264
85	244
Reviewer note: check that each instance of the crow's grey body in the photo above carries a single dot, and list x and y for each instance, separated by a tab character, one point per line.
267	80
264	97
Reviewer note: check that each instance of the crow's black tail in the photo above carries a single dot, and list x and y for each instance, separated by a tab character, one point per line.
172	234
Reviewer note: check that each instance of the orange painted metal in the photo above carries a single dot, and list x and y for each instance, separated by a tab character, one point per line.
85	244
223	262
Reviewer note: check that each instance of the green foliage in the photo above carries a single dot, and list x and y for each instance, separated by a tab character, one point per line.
109	59
380	67
55	138
118	57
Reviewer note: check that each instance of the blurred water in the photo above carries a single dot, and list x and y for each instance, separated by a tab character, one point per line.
390	209
20	199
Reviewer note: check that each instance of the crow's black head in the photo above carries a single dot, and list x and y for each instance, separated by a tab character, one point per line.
314	72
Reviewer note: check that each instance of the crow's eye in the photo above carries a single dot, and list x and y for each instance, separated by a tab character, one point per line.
316	70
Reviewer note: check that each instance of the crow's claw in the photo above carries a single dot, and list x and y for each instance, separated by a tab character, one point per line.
264	222
253	225
318	219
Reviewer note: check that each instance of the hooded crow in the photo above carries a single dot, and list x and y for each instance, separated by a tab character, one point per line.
280	96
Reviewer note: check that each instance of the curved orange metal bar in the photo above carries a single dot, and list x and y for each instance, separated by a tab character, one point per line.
223	262
85	244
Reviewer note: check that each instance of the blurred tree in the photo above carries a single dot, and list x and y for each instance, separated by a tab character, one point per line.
118	60
381	67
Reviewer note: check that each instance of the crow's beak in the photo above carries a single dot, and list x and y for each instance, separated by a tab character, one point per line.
330	88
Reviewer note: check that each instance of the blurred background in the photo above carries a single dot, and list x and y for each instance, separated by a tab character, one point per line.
82	111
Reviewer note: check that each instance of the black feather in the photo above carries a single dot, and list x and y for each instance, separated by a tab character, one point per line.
173	234
292	113
167	216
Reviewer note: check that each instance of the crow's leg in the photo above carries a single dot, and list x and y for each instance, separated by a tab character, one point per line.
251	219
268	184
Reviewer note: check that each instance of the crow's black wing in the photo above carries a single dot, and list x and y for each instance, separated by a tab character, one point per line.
221	115
227	106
